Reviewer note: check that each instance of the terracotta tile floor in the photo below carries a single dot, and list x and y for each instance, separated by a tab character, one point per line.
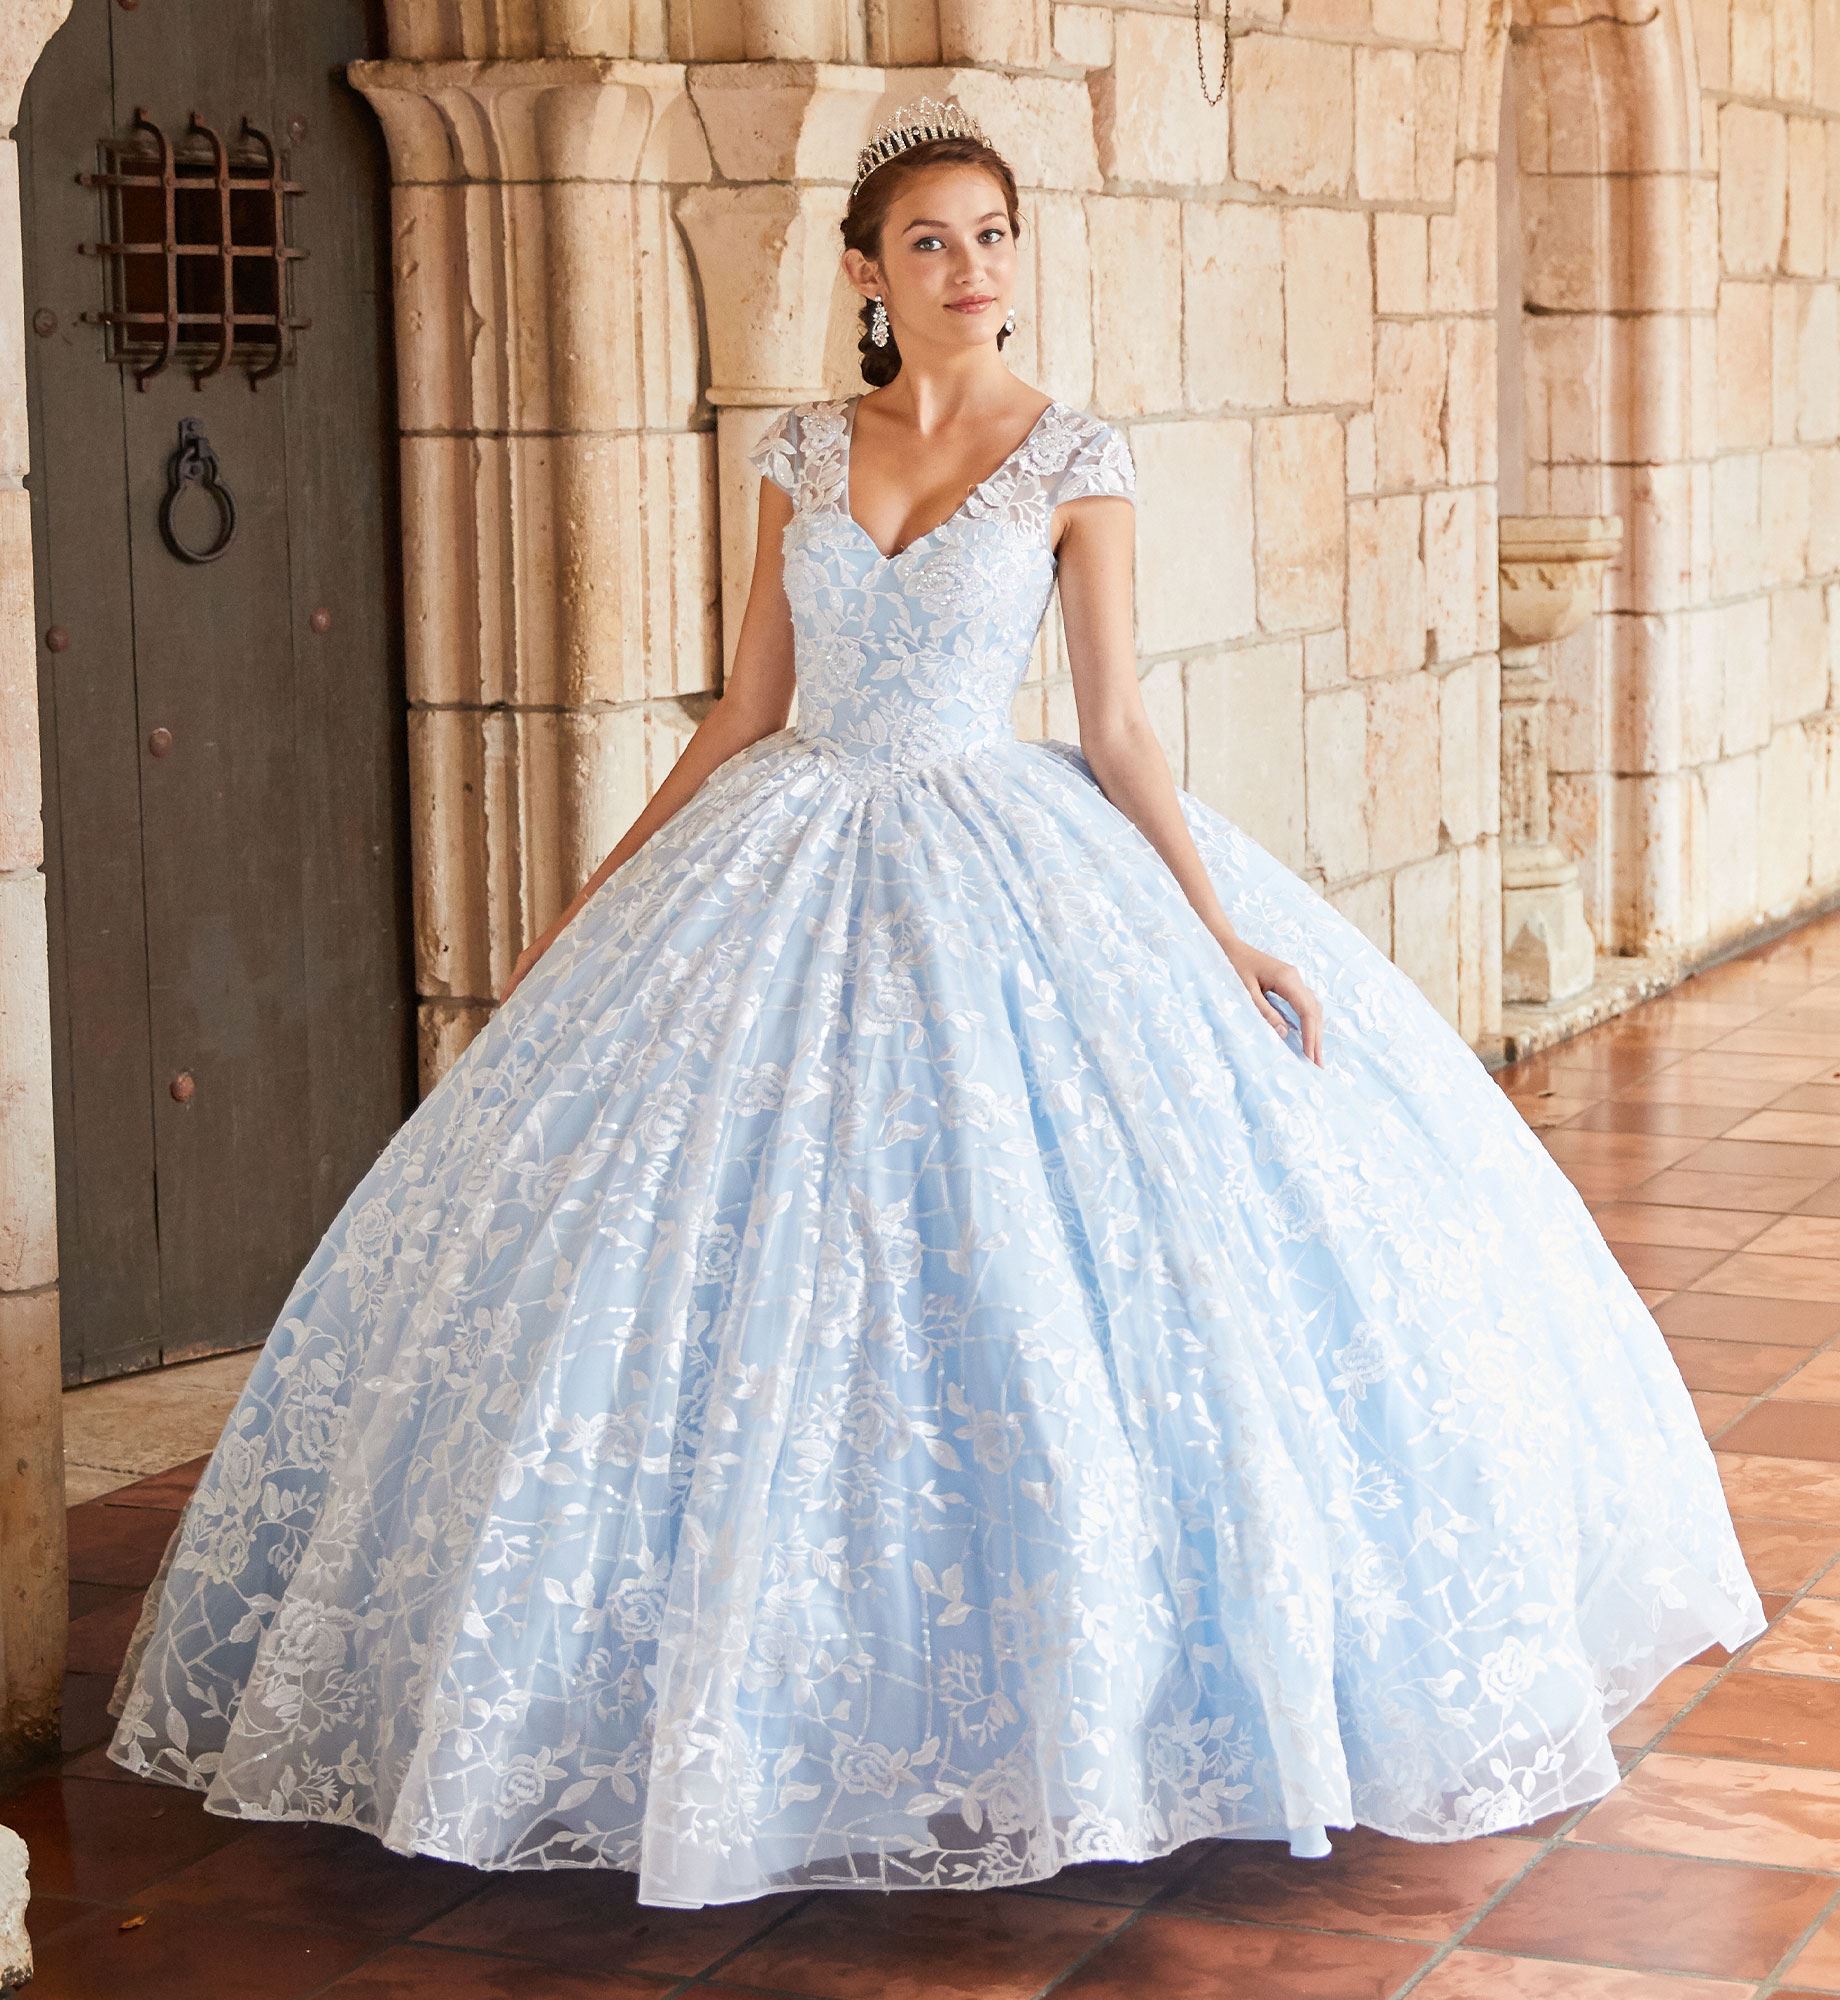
1704	1128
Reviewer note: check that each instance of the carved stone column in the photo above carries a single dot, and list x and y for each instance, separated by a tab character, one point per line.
1551	567
559	502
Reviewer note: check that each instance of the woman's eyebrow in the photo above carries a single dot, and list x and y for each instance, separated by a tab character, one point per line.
933	222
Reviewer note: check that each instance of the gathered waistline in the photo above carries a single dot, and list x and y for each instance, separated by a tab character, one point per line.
876	766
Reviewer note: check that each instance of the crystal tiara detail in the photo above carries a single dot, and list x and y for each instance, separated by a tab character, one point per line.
924	118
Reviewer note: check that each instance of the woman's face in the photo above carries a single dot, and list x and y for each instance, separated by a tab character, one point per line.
946	246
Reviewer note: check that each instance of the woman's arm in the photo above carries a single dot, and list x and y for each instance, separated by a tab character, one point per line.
756	699
1095	553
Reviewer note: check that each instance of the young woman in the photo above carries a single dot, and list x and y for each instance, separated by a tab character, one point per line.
959	1318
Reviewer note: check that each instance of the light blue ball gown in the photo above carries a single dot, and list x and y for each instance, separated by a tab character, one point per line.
878	1369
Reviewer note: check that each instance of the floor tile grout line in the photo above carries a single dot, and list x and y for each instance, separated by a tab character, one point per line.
1773	1979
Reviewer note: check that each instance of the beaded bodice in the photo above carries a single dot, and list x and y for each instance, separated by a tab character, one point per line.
918	654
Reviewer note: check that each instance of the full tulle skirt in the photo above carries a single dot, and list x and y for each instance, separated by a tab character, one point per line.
878	1368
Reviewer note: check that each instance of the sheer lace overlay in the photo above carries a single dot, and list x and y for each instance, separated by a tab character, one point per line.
877	1368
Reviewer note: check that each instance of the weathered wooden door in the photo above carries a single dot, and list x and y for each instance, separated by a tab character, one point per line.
223	740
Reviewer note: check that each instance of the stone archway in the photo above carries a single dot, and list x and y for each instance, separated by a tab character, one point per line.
32	1589
1597	112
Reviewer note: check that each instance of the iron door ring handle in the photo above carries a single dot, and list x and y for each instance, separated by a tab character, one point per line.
194	463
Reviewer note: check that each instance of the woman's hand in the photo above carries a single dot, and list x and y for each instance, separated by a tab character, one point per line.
1264	974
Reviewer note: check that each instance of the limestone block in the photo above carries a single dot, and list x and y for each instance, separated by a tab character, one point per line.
443	1028
1826	92
1488	572
1785	837
766	262
1745	675
1369	907
459	626
1409	384
1293	115
448	306
1645	678
1753	47
34	1591
1082	35
1463	268
1643	220
1824	798
1792	23
28	1184
1301	521
1737	515
1194	549
1361	452
15	1893
1787	303
1329	304
1647	232
1166	703
1817	371
1647	423
1406	20
1232	305
1136	289
1325	659
451	848
584	779
1335	781
1425	938
620	566
1404	796
1703	240
1148	133
1245	737
1385	124
1478	945
1652	569
1044	123
1753	188
1399	262
1702	385
1744	326
1435	121
1805	244
1450	573
1562	387
1799	648
1833	198
1343	20
1785	516
1470	411
1700	656
1823	511
1014	35
622	318
1054	332
1386	587
1712	42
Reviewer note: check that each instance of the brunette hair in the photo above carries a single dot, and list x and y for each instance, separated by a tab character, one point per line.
867	213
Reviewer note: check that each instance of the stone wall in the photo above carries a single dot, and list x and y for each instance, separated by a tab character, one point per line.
617	247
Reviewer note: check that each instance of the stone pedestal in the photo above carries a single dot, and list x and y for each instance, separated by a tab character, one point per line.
1551	566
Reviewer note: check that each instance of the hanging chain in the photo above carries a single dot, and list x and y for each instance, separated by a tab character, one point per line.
1226	51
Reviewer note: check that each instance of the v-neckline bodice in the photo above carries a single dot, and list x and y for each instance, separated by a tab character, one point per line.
907	548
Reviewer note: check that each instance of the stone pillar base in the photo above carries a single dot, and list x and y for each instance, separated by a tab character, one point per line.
1547	950
15	1947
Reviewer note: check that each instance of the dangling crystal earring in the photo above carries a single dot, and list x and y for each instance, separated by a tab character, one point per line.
878	324
1009	320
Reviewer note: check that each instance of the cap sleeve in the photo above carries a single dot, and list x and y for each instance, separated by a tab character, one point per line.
776	455
1099	463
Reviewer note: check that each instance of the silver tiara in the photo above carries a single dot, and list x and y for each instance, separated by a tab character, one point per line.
925	118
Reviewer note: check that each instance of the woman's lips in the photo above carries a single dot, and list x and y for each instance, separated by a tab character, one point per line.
971	305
